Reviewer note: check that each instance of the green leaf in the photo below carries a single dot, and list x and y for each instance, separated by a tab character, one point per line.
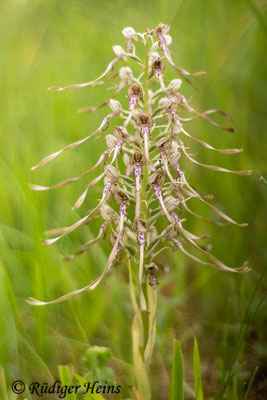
152	308
197	373
88	396
3	388
263	180
139	366
177	388
65	378
251	382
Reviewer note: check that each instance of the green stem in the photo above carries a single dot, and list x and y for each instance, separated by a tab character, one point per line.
146	103
144	322
143	194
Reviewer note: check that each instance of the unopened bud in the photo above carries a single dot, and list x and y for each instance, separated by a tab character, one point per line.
129	33
174	155
164	102
165	144
174	85
120	196
111	172
115	106
126	73
111	141
139	225
108	214
119	51
120	132
170	232
123	239
176	129
168	39
158	178
171	203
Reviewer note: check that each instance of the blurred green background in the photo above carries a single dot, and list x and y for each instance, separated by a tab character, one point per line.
45	43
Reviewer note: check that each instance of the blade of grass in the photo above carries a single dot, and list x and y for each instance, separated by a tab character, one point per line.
88	396
263	180
3	388
177	386
152	307
250	383
139	366
65	378
197	373
235	387
243	333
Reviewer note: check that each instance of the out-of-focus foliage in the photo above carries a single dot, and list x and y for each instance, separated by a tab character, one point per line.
45	43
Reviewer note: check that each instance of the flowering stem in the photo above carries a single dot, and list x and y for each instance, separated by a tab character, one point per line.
146	104
139	237
144	389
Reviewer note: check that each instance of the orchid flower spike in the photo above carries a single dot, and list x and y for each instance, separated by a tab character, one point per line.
144	193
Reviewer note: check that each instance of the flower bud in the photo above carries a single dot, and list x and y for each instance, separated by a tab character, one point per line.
118	51
168	39
158	178
139	225
176	129
170	232
129	33
111	172
123	239
120	132
174	155
108	214
174	85
164	102
115	106
180	99
171	203
165	144
173	106
126	73
111	141
120	196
